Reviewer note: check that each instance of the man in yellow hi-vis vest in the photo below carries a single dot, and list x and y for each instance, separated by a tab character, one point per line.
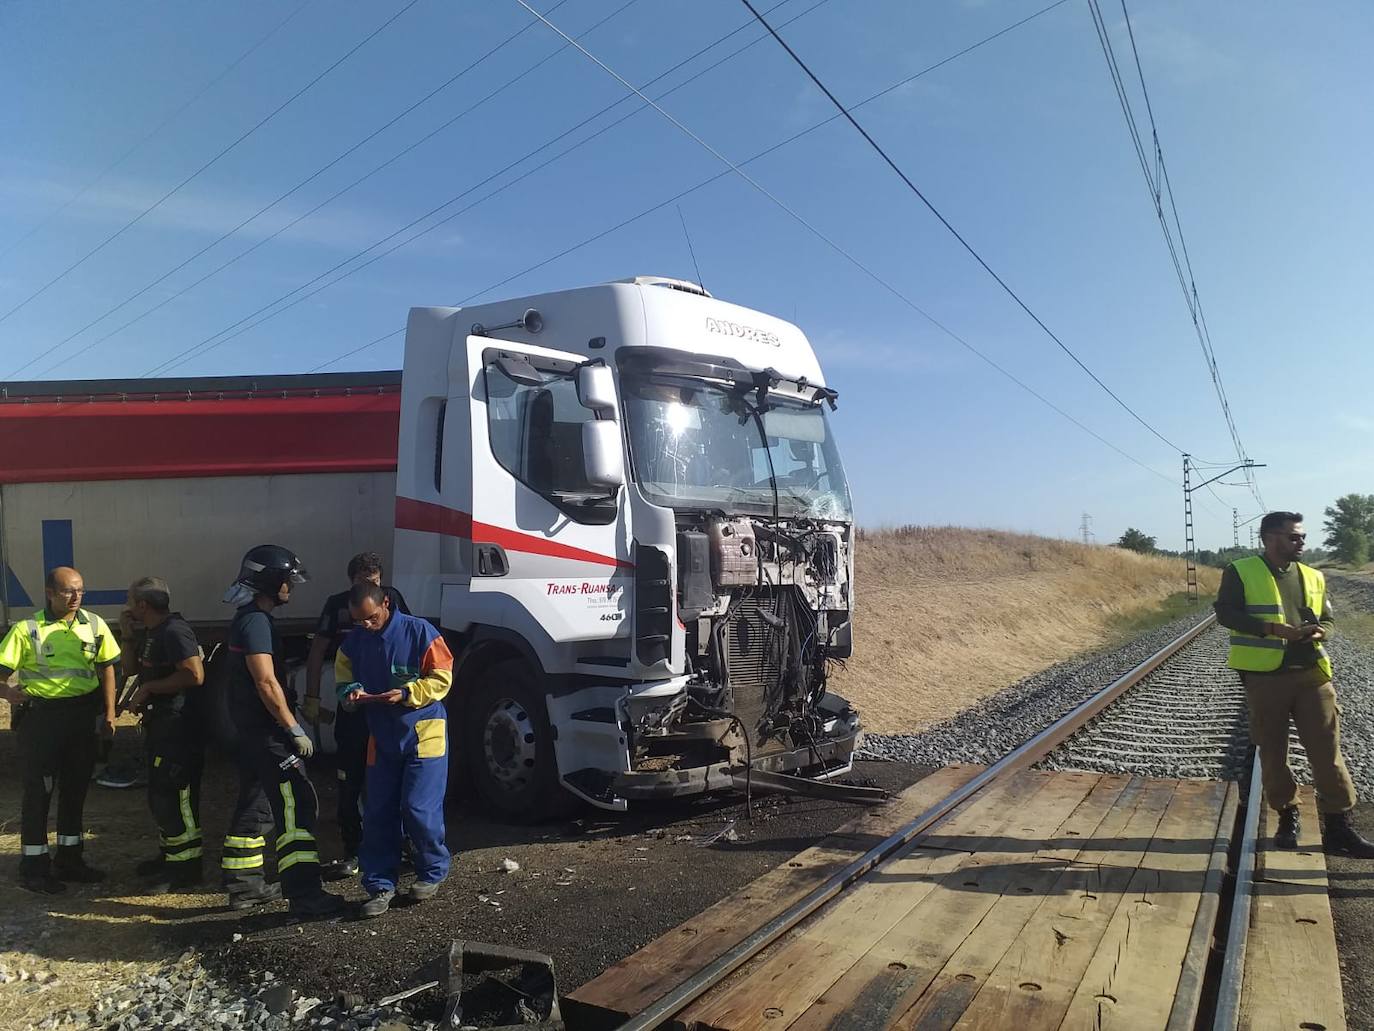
1278	614
65	657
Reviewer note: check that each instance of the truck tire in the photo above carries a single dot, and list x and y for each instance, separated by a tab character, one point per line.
509	747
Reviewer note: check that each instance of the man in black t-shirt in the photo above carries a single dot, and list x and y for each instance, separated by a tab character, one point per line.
274	788
350	728
171	673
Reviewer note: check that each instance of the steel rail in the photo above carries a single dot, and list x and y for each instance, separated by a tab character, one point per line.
1227	1013
1027	754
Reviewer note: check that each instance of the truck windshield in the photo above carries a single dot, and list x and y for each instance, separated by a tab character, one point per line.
697	444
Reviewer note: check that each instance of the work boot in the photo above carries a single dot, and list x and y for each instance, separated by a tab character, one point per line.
70	865
341	869
1290	826
422	891
1340	838
321	903
38	877
176	877
251	895
376	905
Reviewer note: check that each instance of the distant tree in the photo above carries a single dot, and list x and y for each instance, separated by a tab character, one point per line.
1350	527
1136	540
1352	547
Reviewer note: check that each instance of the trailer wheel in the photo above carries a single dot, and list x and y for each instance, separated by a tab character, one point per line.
509	746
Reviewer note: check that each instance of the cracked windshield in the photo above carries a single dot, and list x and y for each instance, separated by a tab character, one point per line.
697	445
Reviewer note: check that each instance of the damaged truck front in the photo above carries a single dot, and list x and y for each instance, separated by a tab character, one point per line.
625	506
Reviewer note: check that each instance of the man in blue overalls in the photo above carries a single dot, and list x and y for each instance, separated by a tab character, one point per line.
398	669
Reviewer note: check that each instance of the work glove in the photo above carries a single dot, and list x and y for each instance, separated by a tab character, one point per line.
301	741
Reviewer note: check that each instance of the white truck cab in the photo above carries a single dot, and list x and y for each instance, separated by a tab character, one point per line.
624	505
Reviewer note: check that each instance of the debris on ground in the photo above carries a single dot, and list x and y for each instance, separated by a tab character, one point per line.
726	833
180	995
495	985
510	865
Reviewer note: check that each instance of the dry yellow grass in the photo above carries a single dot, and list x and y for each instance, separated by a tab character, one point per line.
946	616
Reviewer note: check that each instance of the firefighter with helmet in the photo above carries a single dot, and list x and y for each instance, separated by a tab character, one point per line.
274	787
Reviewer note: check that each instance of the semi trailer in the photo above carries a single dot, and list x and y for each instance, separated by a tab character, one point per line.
623	504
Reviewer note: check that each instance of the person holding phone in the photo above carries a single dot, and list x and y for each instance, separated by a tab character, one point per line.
1278	613
398	669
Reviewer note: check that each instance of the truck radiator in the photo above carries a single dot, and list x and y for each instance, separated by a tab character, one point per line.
754	652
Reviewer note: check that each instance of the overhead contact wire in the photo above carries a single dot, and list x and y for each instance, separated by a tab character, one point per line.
194	175
57	213
737	169
234	330
954	232
300	185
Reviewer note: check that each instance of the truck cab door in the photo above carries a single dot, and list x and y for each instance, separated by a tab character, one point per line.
550	532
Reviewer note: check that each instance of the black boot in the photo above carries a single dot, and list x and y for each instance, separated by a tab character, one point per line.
184	876
247	892
316	904
1290	826
70	865
35	875
1340	838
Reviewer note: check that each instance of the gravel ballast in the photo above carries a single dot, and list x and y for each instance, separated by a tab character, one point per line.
993	727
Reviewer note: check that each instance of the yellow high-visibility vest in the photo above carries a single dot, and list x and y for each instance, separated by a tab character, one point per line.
1264	654
57	659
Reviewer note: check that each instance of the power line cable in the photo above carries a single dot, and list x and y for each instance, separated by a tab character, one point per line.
257	317
177	189
1160	187
300	185
247	323
252	320
153	132
954	232
736	168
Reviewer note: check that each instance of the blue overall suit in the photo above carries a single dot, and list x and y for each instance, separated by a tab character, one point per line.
407	772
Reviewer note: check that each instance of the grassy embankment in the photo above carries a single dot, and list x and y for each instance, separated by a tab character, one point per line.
946	616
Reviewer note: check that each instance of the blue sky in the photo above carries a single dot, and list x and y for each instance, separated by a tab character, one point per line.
1262	110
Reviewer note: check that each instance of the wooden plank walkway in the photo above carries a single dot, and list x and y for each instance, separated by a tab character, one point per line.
1292	974
1050	900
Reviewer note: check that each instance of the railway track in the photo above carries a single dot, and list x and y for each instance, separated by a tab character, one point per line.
1174	715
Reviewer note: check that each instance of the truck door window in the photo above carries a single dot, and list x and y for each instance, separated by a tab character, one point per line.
536	436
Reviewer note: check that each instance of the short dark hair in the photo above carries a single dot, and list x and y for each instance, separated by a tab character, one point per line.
154	591
359	593
1274	521
366	562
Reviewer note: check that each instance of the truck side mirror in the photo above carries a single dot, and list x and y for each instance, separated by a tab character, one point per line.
602	458
596	388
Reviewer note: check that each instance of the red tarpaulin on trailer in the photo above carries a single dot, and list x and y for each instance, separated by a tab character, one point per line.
52	441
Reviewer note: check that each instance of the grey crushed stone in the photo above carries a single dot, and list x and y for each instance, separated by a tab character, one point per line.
998	724
181	994
995	726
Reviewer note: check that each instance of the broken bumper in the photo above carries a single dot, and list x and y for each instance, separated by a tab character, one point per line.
830	758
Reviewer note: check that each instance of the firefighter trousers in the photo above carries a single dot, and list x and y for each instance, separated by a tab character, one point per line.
176	757
57	748
350	738
275	793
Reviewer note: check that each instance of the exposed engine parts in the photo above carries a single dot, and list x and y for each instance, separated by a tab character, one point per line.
765	608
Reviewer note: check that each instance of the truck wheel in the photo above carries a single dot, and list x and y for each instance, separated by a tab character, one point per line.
510	747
